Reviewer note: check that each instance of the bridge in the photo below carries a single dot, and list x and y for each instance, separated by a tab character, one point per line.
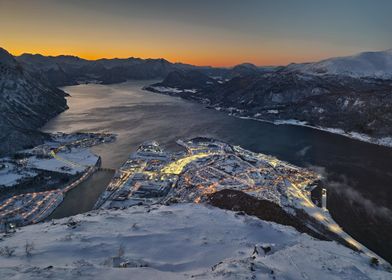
106	169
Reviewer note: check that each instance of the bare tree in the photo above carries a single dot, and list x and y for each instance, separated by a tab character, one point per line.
7	251
121	251
29	247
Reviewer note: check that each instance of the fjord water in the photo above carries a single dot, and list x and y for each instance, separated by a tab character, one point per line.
358	175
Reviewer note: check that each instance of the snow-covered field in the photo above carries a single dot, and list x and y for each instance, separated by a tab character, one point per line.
10	175
9	179
180	241
64	153
173	90
75	161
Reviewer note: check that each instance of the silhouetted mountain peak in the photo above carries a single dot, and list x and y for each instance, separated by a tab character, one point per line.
246	65
6	58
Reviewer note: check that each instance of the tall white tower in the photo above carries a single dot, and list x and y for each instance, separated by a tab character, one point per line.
324	199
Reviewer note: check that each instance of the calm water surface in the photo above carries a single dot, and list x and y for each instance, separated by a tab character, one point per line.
358	175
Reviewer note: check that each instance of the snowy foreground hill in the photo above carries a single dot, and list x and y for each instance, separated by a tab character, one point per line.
179	241
157	220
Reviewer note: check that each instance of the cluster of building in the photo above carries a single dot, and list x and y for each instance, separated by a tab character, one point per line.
205	166
60	164
28	208
139	180
151	175
82	140
231	167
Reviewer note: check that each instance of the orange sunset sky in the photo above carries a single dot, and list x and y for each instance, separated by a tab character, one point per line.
218	33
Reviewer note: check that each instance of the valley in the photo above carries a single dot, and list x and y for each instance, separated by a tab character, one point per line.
221	140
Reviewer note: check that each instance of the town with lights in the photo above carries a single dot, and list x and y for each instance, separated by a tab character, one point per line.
203	171
206	167
35	181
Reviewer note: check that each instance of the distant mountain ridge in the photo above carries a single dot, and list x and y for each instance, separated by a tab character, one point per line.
70	70
365	64
27	101
66	70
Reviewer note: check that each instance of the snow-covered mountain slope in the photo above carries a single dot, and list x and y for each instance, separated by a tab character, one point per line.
359	105
366	64
179	241
27	101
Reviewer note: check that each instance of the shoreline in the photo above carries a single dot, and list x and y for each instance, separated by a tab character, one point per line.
383	141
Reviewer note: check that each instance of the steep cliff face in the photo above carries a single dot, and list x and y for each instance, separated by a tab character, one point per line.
27	101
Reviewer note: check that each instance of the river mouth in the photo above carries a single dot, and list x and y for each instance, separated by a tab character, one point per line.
357	175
